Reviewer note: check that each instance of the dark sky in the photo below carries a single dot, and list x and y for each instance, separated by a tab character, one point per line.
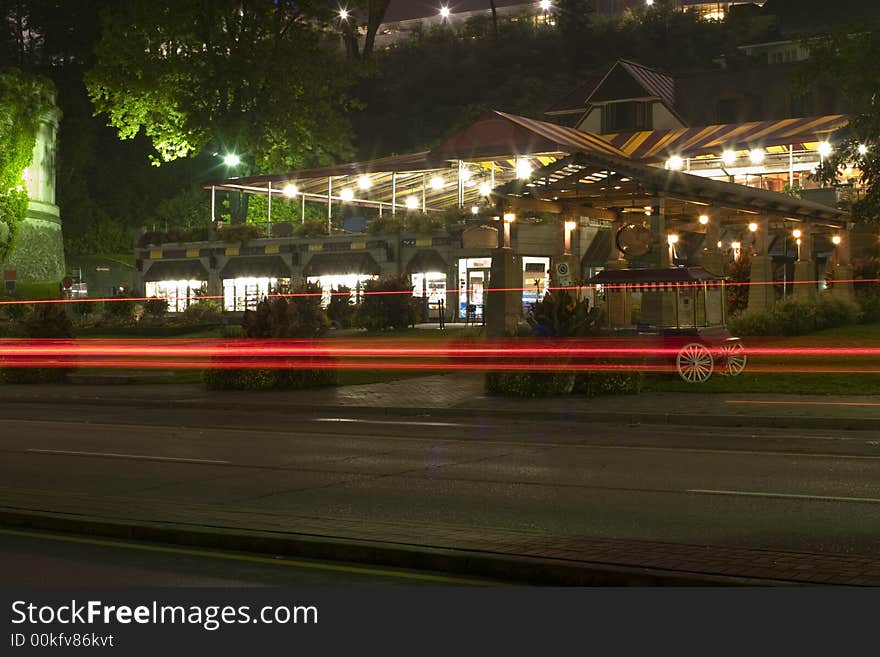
405	9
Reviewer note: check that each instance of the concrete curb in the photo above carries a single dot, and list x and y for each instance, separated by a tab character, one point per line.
602	417
504	567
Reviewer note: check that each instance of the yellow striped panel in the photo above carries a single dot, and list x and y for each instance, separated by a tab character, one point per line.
423	241
192	253
232	250
358	245
316	247
273	248
156	254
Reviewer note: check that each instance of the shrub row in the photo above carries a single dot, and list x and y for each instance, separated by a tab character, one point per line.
541	384
797	317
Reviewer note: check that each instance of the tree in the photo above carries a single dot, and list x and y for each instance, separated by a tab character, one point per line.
246	76
369	14
852	61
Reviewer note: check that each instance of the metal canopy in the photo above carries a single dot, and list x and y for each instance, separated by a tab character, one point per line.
665	276
331	264
176	270
256	267
587	180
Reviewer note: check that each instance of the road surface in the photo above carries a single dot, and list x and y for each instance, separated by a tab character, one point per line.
816	491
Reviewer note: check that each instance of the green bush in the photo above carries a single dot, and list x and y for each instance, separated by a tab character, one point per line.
388	303
529	384
268	379
39	291
294	317
609	382
119	311
234	233
282	229
341	310
203	311
795	317
156	308
16	312
48	320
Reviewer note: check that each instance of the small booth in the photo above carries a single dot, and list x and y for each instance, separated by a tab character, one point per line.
696	335
179	282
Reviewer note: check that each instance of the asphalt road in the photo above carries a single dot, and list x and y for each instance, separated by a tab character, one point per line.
805	490
43	559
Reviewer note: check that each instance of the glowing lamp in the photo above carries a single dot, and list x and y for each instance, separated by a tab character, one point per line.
290	191
825	148
736	246
437	183
756	155
753	227
475	209
545	5
485	189
412	202
444	12
365	182
836	240
675	163
231	160
728	157
704	219
343	14
672	239
346	194
509	217
796	233
523	169
570	225
863	149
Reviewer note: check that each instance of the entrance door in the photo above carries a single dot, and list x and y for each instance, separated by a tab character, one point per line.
476	284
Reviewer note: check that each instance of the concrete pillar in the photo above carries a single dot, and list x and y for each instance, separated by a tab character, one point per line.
804	269
843	270
762	296
504	307
618	302
658	308
713	258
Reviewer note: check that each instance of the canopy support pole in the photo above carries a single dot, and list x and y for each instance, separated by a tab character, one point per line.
303	215
394	193
791	167
424	206
269	213
329	204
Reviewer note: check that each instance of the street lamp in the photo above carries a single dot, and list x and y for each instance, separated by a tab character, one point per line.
728	157
836	240
231	160
509	218
412	202
444	12
545	5
365	182
343	13
347	194
704	219
523	169
570	226
825	149
290	190
756	155
485	189
675	163
753	227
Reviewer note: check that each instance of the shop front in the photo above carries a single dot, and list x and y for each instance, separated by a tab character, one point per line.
333	271
246	281
179	282
473	279
427	271
535	280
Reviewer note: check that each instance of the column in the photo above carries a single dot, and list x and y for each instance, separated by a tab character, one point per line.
618	303
504	299
761	294
659	308
713	258
804	269
843	269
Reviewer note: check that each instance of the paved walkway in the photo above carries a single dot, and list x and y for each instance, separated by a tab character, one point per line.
566	558
463	394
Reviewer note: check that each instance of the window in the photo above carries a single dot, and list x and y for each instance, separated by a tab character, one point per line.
630	115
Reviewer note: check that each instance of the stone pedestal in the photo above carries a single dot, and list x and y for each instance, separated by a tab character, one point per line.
504	298
762	296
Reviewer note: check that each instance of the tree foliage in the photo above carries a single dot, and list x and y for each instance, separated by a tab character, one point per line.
852	61
244	76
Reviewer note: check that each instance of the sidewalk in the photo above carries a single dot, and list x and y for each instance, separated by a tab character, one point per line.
462	395
510	555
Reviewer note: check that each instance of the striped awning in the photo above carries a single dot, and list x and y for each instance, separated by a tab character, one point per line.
568	139
653	280
656	144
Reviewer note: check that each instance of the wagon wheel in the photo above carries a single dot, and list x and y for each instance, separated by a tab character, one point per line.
694	362
735	359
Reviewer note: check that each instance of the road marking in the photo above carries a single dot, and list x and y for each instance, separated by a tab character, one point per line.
826	498
230	556
134	457
406	422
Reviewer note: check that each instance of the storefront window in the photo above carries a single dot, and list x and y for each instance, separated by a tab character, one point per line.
432	286
331	282
535	280
178	294
473	276
240	294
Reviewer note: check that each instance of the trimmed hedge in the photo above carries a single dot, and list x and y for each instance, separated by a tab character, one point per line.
266	379
529	384
796	317
48	320
605	382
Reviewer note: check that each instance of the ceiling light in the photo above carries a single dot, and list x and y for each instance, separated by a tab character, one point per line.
365	182
675	163
437	183
523	169
757	155
290	190
704	219
825	148
753	227
485	189
346	194
728	157
412	202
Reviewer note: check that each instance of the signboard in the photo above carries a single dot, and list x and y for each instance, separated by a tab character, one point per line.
563	274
